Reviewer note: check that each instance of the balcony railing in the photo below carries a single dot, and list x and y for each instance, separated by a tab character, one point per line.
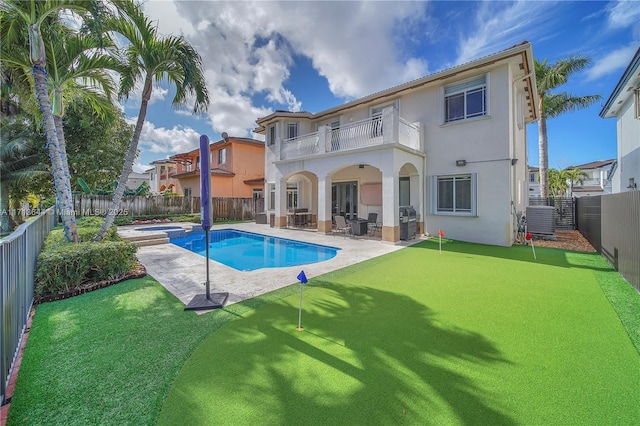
381	130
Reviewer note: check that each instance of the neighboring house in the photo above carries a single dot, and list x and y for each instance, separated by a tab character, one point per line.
163	177
136	179
624	104
534	181
237	169
452	144
598	181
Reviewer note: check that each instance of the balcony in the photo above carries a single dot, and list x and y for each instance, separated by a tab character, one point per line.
388	129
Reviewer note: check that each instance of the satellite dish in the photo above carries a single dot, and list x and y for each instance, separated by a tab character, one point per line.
225	136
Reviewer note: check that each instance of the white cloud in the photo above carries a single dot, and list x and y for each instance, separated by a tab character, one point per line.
499	25
611	62
248	49
164	141
623	14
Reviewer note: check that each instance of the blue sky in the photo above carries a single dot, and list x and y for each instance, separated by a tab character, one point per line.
313	55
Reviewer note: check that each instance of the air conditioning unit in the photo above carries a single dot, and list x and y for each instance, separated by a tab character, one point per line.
541	220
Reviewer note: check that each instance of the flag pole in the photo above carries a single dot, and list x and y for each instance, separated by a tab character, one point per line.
303	280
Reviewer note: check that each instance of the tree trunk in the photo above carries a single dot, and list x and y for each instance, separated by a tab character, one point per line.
60	177
62	145
543	151
5	226
132	153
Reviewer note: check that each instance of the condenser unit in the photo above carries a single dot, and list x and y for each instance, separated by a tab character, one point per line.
541	220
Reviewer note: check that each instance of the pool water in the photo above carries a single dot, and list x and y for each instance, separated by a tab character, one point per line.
246	251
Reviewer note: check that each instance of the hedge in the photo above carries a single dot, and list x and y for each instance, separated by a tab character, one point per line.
63	267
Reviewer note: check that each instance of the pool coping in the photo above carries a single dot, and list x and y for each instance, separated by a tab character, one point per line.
183	273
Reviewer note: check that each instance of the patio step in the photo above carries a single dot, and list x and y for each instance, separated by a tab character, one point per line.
148	240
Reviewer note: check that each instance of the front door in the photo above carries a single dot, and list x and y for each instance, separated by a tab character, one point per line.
344	199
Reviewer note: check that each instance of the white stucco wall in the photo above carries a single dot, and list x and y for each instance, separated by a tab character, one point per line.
628	129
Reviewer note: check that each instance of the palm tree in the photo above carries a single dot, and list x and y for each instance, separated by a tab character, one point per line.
148	58
558	182
549	76
17	165
576	175
20	17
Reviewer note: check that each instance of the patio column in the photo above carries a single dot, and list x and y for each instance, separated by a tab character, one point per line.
390	203
324	204
281	202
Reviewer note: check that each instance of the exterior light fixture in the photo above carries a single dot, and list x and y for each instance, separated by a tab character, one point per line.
514	161
461	163
632	184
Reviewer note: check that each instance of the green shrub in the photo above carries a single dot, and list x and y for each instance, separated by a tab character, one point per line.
64	267
85	234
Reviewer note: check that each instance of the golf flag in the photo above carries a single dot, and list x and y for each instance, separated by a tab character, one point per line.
302	277
205	184
440	235
529	238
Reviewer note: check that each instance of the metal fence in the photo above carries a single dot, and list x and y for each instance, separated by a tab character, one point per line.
612	224
565	216
18	254
223	208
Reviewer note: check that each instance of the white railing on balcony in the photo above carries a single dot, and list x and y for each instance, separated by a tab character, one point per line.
300	146
409	134
360	134
356	135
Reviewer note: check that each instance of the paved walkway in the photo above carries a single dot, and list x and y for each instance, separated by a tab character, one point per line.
183	273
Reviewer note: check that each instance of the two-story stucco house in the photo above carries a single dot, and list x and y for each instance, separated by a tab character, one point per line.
162	179
451	144
597	180
624	104
237	169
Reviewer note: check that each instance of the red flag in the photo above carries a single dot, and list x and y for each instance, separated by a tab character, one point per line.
440	233
528	236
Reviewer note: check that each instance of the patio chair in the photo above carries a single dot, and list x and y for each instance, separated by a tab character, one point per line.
341	226
372	220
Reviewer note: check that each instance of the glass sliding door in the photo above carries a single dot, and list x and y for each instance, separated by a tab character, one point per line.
344	199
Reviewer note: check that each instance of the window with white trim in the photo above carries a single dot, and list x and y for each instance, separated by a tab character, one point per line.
257	192
454	194
222	155
272	135
292	130
292	195
272	196
465	100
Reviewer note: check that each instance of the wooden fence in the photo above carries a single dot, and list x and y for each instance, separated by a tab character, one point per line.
223	208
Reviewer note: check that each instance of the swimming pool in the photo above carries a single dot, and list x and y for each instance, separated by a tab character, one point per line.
246	251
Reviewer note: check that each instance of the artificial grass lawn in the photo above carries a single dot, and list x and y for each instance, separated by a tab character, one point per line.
478	334
109	357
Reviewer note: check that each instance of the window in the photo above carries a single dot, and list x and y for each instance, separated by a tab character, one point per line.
257	193
197	162
532	177
292	195
222	155
292	130
405	191
272	135
454	194
636	95
272	196
465	100
376	118
187	192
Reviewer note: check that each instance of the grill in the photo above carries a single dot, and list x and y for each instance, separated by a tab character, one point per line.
407	222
